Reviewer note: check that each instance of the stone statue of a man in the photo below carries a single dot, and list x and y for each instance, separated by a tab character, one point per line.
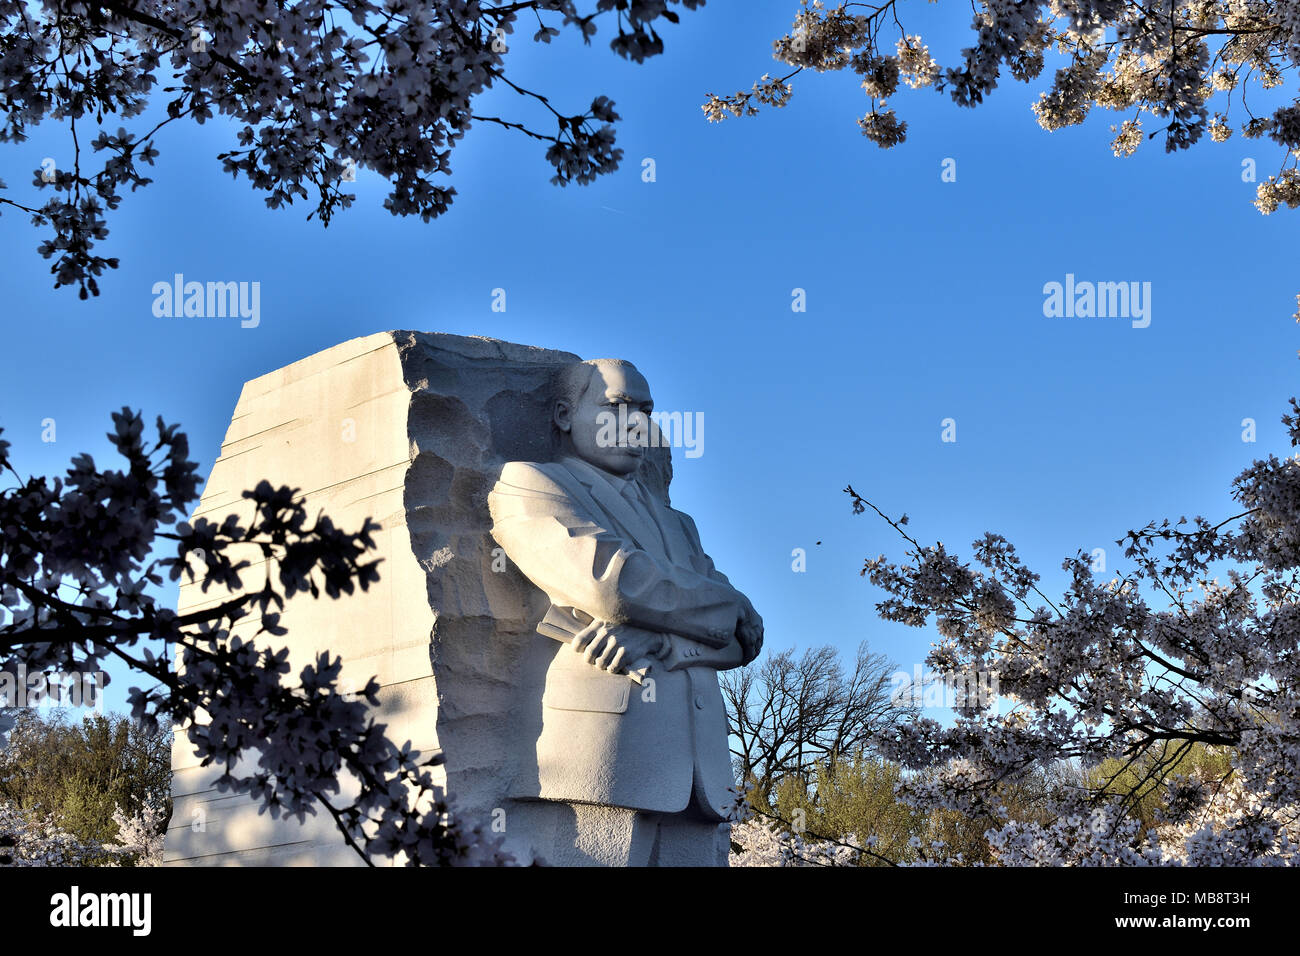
623	726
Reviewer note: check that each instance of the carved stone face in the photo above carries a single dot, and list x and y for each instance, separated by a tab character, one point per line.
598	431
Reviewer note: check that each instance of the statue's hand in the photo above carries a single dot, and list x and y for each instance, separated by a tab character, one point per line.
749	630
602	648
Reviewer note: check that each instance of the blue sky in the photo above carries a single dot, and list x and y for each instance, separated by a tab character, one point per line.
924	302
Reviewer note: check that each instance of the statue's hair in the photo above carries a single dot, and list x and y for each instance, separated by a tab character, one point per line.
573	380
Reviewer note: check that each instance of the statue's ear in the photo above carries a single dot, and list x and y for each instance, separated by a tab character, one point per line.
563	416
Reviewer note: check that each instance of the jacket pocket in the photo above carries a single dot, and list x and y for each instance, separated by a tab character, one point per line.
595	692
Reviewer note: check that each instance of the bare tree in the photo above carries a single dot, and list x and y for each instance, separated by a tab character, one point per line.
789	713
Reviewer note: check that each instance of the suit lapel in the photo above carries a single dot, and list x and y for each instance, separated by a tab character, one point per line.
629	521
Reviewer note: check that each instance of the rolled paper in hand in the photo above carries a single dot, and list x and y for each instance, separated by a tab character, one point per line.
638	669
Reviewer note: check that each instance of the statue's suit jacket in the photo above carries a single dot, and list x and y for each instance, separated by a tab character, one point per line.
600	737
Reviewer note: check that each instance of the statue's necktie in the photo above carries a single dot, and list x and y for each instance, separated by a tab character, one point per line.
635	496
